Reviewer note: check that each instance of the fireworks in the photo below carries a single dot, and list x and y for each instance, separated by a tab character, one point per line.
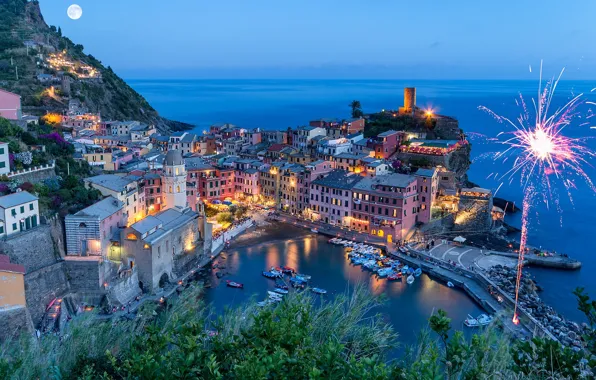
542	154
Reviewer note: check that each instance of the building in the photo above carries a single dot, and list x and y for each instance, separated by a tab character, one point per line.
409	101
142	132
386	144
12	284
428	189
302	136
123	128
108	159
18	212
10	105
154	244
127	189
4	159
153	194
349	162
386	206
331	197
376	168
95	230
327	148
174	180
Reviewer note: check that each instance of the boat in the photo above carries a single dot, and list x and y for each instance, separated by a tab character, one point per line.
384	272
297	282
482	320
280	291
410	271
395	276
450	284
404	270
418	272
332	241
304	277
233	284
410	279
319	291
288	270
273	294
270	274
314	230
280	284
263	303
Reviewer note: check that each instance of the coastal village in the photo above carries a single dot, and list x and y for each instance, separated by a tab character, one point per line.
164	205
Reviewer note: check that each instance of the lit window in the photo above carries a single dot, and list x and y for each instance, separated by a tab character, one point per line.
131	236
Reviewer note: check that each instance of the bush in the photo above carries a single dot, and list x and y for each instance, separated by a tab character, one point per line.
225	218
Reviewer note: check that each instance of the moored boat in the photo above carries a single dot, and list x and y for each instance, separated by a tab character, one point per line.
280	284
280	291
273	294
304	277
482	320
233	284
319	291
270	274
288	270
395	276
410	279
450	284
314	230
418	272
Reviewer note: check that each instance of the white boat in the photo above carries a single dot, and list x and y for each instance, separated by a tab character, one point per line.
450	284
319	291
280	291
384	272
305	277
273	294
314	230
410	279
418	272
482	320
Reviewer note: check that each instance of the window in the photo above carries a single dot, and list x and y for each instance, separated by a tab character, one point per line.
1	150
22	209
2	164
31	206
131	236
14	226
1	229
82	225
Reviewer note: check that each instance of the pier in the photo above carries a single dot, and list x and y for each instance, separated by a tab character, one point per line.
555	262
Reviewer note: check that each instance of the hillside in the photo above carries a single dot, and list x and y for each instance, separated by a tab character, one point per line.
27	44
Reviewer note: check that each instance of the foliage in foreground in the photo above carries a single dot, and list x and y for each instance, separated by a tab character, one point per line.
299	339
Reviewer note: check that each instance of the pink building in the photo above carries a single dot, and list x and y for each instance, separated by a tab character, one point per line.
331	197
386	206
312	171
386	144
10	105
247	183
428	190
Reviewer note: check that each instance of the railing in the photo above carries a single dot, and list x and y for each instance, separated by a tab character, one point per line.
31	170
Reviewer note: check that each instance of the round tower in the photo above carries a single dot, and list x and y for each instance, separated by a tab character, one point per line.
174	180
409	99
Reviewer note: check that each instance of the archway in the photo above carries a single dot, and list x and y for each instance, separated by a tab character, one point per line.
163	280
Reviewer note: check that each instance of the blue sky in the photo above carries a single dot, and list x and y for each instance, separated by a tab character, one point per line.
424	39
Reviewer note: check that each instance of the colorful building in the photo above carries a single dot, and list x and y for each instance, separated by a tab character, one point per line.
12	284
331	197
18	212
10	105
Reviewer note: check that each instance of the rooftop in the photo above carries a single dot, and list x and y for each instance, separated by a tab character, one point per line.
426	172
111	181
391	180
339	179
166	221
7	266
387	133
102	209
350	156
16	199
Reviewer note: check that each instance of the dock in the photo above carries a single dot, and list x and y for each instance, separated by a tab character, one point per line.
554	262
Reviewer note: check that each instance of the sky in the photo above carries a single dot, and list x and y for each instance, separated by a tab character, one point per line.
359	39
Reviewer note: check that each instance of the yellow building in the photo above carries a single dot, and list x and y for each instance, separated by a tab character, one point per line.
12	284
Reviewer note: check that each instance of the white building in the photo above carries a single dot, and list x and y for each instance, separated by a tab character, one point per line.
4	161
174	180
125	189
18	212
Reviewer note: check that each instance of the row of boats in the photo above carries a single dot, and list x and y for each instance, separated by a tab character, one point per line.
295	280
381	265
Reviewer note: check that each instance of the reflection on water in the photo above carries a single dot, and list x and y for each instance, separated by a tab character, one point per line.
407	308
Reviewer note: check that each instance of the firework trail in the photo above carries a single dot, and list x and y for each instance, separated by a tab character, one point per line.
540	154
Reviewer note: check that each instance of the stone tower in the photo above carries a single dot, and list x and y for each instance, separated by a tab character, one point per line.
409	101
174	180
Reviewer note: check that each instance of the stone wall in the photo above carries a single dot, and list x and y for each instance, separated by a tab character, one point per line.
123	291
14	321
474	214
34	176
84	275
42	286
34	249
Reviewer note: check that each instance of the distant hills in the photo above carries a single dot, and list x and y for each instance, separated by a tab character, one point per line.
26	42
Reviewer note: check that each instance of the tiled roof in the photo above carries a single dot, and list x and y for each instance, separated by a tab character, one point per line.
391	180
16	199
339	179
110	181
102	209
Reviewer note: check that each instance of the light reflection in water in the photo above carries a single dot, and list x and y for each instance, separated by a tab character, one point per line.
272	255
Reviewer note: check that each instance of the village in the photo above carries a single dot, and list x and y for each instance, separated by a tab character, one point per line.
161	206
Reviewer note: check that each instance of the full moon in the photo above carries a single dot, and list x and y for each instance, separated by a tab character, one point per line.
74	12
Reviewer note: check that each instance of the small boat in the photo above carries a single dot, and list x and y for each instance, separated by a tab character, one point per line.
273	294
482	320
410	279
305	277
404	270
314	230
450	284
411	271
288	270
319	291
233	284
297	282
395	276
280	291
281	285
270	274
332	241
263	303
384	272
418	272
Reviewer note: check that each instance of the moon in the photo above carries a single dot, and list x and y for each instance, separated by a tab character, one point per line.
74	12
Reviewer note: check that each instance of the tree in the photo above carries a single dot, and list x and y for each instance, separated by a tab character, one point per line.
225	218
60	31
356	108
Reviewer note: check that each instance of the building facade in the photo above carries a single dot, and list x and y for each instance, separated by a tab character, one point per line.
18	212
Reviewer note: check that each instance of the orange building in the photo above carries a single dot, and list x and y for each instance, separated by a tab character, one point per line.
12	284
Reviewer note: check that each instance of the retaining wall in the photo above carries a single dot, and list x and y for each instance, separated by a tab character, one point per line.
42	286
14	322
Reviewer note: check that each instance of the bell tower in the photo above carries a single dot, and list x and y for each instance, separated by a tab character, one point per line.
174	180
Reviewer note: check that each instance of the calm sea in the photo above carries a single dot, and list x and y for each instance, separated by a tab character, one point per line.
277	104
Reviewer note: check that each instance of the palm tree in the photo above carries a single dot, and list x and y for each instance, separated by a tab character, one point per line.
356	108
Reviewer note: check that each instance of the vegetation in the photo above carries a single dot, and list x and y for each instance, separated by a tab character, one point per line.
385	121
356	108
339	339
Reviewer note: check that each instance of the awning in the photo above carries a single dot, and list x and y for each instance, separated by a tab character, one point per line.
459	239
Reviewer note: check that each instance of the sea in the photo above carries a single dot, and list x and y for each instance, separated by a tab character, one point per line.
561	220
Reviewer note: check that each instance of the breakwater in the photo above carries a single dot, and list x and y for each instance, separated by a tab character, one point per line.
556	262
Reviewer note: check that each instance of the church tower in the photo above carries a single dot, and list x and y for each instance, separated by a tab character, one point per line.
174	180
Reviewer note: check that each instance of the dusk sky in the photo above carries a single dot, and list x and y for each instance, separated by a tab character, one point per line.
389	39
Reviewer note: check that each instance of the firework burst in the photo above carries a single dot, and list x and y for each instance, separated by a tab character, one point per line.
541	154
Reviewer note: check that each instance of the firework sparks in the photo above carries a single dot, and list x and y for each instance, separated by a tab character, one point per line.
542	154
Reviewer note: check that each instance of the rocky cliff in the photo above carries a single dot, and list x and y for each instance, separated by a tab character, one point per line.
26	42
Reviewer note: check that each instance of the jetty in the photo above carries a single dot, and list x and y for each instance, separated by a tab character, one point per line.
555	262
